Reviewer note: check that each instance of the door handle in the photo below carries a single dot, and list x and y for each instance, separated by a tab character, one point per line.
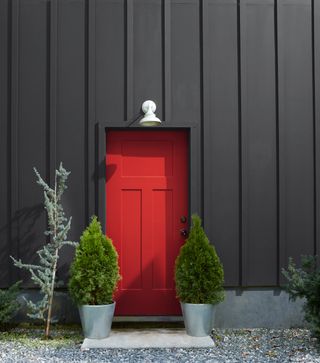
184	232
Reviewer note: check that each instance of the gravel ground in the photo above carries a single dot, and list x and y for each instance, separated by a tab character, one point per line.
249	345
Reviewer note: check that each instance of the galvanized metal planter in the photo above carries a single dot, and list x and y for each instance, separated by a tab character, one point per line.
198	318
96	320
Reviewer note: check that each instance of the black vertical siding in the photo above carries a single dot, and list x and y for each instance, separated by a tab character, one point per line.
185	62
316	78
147	53
258	130
71	117
28	124
4	140
296	127
185	83
90	36
110	61
242	75
221	144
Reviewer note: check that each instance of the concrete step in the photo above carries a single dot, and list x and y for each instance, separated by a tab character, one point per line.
148	338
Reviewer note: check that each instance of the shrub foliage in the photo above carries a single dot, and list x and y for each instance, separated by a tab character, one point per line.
95	269
199	273
304	282
8	303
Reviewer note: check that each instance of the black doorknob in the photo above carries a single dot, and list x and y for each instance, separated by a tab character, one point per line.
183	232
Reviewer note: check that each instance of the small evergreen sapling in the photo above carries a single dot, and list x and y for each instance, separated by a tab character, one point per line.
94	273
44	274
199	273
304	282
8	303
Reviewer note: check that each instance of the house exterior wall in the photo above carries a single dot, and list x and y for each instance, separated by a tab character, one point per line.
242	76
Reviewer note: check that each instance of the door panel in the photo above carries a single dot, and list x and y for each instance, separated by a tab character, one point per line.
146	195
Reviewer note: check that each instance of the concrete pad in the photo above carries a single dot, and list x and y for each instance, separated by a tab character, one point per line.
148	338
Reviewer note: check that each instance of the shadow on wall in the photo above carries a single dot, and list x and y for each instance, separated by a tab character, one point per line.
100	173
28	226
64	310
24	240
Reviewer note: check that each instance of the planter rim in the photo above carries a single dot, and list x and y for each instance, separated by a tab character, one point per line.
96	306
182	302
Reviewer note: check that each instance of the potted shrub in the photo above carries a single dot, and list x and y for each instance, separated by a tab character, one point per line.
94	275
199	277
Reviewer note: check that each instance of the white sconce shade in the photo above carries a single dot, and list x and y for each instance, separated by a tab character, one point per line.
149	119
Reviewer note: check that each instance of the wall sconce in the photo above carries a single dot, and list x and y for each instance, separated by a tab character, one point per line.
149	119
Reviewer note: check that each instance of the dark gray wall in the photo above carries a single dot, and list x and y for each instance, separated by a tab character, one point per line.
243	76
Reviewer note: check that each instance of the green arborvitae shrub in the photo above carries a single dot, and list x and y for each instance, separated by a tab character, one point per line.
9	304
304	282
95	270
199	273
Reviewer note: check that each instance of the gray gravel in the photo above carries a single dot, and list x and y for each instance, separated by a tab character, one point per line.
250	345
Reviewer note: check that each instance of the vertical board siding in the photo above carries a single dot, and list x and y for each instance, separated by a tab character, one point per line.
30	126
52	94
147	53
296	163
70	114
90	33
166	56
4	141
242	75
259	180
110	61
221	188
129	59
316	60
185	62
13	145
185	84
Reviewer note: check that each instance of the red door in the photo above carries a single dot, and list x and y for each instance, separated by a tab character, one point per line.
146	192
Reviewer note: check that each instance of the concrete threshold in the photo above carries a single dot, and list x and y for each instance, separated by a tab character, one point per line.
148	338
